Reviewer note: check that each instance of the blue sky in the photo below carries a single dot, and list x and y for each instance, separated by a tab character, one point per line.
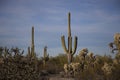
93	21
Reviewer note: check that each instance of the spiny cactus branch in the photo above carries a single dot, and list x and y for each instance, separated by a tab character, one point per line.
63	44
75	44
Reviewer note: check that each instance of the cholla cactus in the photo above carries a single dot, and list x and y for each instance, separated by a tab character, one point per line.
83	53
75	67
90	60
72	68
107	68
116	43
70	52
66	68
91	57
117	59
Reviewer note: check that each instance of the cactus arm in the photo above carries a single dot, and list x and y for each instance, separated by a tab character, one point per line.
69	29
63	44
75	45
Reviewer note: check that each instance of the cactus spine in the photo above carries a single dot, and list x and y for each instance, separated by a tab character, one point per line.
45	56
70	52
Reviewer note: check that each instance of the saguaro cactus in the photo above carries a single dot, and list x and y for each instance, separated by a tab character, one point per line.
31	50
70	52
45	56
32	44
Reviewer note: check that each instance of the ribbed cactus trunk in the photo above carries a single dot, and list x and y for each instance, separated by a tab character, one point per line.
32	44
33	54
70	52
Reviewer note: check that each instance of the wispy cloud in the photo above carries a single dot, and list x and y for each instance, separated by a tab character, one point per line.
94	22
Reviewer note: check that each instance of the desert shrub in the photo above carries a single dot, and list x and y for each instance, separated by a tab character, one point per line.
18	67
55	64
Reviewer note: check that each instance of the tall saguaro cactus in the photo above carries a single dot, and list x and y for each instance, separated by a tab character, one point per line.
70	52
32	44
31	50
